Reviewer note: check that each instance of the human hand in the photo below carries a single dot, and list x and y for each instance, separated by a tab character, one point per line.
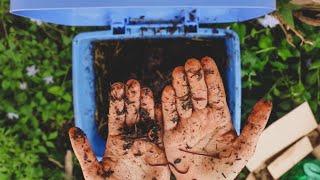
199	139
133	149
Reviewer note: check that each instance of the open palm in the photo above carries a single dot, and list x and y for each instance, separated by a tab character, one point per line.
199	139
132	150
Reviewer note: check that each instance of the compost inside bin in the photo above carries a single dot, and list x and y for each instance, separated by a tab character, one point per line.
149	61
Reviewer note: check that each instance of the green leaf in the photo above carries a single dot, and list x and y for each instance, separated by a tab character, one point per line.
45	115
66	40
53	135
6	84
56	90
253	33
49	144
287	16
297	89
279	65
284	53
21	97
265	42
286	12
42	149
313	105
315	65
67	97
285	105
16	74
276	92
249	58
241	30
317	40
312	77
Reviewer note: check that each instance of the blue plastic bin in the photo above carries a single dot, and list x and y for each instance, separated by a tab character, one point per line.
133	19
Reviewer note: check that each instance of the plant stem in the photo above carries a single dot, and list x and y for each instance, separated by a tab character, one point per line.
266	50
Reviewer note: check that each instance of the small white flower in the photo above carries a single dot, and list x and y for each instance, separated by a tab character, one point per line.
32	70
23	85
269	21
48	79
12	115
38	22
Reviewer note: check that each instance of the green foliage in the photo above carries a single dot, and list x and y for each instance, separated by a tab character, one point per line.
19	161
273	69
35	134
285	9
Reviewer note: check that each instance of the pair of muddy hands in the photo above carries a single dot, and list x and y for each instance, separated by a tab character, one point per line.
191	135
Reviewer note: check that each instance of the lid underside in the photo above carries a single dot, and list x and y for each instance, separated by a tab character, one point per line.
103	13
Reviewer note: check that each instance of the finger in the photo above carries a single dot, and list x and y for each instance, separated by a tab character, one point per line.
245	145
147	103
216	92
158	114
132	101
158	117
169	111
197	84
116	117
256	122
180	85
89	164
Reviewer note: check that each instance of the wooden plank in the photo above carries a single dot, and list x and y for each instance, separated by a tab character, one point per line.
290	157
314	137
318	128
282	133
316	152
251	177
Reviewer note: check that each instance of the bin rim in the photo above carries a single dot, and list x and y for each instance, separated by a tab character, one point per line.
103	13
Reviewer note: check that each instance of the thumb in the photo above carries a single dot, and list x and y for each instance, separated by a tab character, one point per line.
90	166
255	125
